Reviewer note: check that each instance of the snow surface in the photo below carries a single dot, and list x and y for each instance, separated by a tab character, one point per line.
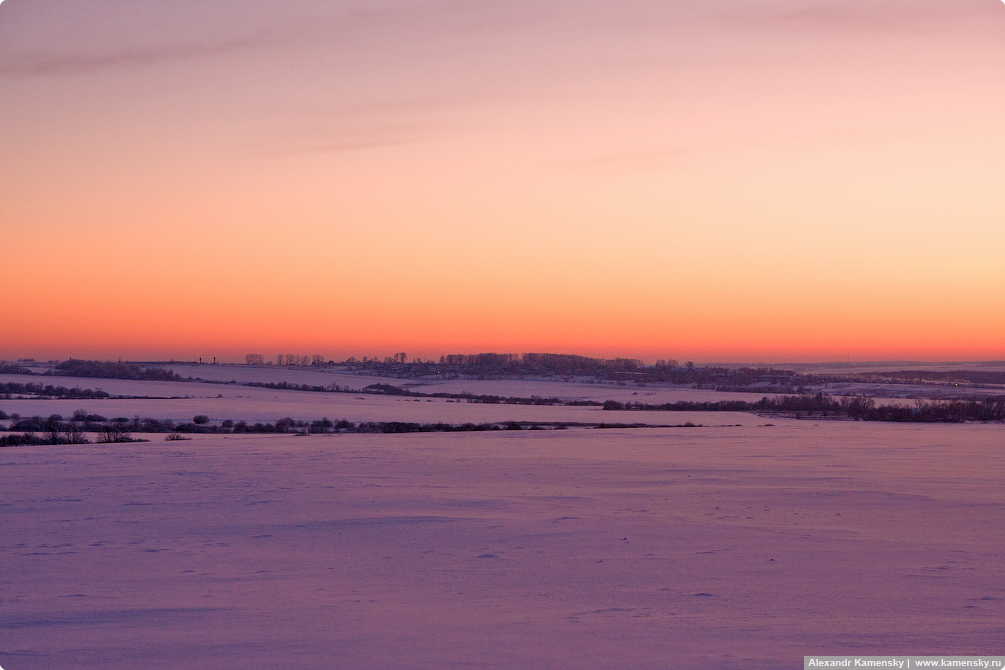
265	405
180	401
744	547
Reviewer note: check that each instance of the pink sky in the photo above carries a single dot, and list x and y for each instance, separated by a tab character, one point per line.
741	180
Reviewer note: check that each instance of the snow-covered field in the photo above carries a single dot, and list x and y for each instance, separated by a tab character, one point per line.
852	368
575	389
743	547
183	400
180	401
581	389
522	388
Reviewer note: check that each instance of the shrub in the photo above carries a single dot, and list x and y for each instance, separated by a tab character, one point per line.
116	430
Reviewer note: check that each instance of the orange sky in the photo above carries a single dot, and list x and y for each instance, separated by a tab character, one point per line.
750	180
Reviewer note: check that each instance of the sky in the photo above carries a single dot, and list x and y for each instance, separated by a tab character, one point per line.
744	180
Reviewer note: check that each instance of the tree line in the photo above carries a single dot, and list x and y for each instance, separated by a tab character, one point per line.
993	377
7	389
991	408
54	430
496	366
111	370
14	369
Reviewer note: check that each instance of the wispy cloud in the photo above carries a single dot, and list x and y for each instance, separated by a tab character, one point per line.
34	65
356	126
334	141
290	26
859	16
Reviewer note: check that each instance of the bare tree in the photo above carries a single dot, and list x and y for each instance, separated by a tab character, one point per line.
53	428
74	433
116	430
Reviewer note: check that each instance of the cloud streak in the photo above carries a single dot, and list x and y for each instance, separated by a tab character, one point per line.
335	143
891	17
340	30
50	65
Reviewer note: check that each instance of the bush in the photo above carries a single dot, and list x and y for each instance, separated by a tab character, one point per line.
19	440
200	419
13	369
116	430
109	370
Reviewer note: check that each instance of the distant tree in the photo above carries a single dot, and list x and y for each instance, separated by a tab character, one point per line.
116	430
200	419
109	370
73	432
53	428
13	369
